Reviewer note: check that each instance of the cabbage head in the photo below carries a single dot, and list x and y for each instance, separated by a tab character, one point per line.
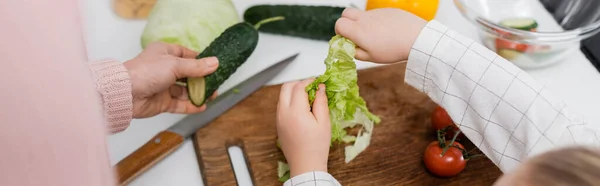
190	23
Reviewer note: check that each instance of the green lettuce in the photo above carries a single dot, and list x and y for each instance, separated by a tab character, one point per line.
347	109
190	23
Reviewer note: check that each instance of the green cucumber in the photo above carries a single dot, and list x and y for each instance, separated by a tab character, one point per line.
232	48
521	23
311	22
509	54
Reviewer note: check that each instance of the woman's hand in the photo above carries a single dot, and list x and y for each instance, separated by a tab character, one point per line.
381	35
305	136
153	74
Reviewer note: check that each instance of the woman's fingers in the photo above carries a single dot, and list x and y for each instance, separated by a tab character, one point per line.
195	67
320	107
214	96
180	51
178	92
184	107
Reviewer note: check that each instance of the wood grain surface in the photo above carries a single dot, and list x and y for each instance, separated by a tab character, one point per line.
393	158
147	156
133	9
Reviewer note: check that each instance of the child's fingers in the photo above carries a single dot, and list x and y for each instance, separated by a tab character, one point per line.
346	27
184	107
299	98
286	94
351	13
320	107
362	55
349	29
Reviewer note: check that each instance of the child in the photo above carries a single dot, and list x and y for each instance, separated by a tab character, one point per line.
500	108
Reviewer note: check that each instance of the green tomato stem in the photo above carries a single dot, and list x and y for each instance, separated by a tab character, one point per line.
471	150
451	142
468	156
268	20
463	151
473	156
440	134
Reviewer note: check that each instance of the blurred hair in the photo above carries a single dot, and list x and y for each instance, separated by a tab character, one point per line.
576	166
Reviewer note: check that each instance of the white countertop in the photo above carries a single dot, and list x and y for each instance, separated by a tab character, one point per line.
108	36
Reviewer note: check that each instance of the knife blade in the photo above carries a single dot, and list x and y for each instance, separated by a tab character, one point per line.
165	142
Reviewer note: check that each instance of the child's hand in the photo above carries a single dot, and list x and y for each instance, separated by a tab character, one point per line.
153	74
305	136
381	35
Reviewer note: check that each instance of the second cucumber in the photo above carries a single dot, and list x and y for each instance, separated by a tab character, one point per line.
312	22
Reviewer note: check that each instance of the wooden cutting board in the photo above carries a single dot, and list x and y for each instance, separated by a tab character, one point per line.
393	158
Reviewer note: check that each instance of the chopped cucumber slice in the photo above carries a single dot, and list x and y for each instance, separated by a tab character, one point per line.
282	168
521	23
283	171
278	144
509	54
285	177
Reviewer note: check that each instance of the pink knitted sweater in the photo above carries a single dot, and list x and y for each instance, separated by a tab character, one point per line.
56	108
113	85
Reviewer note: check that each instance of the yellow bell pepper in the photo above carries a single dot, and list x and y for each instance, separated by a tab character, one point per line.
425	9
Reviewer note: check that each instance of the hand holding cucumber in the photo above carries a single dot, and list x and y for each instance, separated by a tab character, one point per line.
153	75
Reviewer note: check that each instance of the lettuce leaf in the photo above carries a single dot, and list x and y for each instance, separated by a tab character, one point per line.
347	109
283	171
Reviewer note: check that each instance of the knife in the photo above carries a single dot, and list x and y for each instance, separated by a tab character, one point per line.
172	138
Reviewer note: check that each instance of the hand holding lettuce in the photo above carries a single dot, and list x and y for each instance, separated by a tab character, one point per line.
346	108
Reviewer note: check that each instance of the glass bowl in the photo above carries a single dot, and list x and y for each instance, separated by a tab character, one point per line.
506	27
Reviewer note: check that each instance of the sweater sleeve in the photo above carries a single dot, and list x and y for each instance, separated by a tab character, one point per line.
114	86
312	178
500	108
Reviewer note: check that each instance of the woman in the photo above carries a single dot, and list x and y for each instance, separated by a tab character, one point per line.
57	108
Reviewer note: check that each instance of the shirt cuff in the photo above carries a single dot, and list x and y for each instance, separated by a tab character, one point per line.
114	85
312	178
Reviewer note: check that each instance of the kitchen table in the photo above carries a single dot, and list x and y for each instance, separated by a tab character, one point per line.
108	36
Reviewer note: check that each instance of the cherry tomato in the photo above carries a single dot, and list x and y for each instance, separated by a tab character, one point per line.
506	44
440	118
451	164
